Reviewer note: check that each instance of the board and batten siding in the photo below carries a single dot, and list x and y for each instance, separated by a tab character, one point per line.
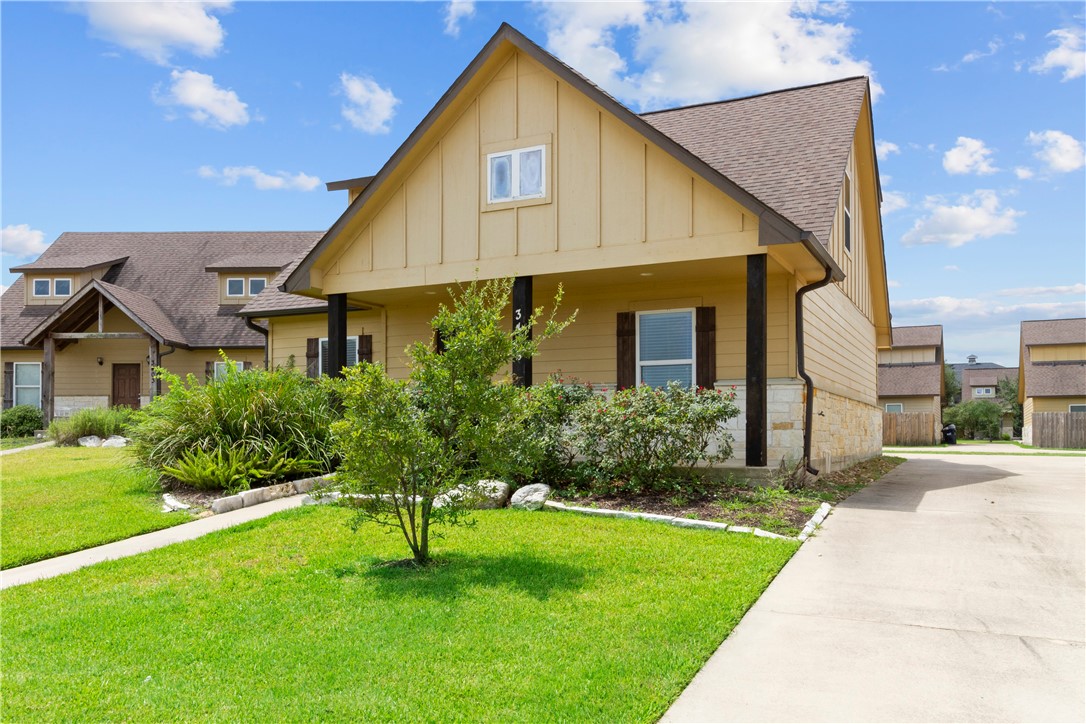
1054	404
914	404
614	199
908	356
1057	352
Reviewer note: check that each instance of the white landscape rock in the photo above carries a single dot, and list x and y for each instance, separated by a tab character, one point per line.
531	497
115	441
482	495
90	441
170	503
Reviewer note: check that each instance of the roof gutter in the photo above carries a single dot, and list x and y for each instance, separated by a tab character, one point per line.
262	330
808	413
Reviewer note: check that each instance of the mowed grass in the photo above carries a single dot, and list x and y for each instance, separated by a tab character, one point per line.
59	500
541	616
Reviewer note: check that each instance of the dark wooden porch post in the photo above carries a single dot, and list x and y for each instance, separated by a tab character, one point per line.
48	365
757	330
337	334
522	312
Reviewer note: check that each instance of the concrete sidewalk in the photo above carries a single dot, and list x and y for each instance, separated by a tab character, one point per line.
951	590
991	448
141	543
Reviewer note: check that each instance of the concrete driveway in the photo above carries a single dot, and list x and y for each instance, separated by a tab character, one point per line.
954	589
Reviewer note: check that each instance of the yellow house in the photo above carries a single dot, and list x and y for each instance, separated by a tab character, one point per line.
725	244
911	372
85	323
1051	371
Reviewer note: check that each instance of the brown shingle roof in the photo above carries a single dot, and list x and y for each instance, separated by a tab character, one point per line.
88	259
910	380
272	302
1054	331
984	377
926	336
167	267
1053	379
788	148
263	261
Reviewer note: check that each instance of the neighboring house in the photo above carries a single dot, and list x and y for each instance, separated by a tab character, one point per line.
1052	369
911	372
969	366
84	324
983	384
725	244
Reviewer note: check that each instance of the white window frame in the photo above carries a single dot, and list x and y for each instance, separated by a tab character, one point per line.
899	405
235	279
56	292
262	280
322	344
692	361
983	392
514	174
848	212
34	288
1081	407
15	386
220	369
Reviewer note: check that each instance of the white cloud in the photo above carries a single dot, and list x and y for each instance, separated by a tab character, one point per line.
3	288
1068	55
893	201
969	155
280	180
694	51
207	103
155	29
1023	173
1060	152
978	215
994	46
1044	291
455	11
21	242
370	107
883	149
893	283
945	309
951	268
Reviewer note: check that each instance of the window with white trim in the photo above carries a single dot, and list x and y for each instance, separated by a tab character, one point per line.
848	212
235	287
26	384
256	285
665	347
41	287
322	355
62	287
983	392
222	369
1076	408
896	407
517	174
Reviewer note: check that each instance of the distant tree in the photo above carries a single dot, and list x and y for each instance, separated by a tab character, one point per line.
1007	392
975	420
953	391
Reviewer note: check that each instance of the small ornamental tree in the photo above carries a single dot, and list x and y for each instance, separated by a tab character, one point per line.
413	450
975	419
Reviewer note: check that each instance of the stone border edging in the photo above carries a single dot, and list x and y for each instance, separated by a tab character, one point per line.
814	522
255	496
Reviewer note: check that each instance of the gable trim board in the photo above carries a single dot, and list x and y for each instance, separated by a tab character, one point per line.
773	228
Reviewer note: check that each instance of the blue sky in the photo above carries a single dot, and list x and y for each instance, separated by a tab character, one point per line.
223	116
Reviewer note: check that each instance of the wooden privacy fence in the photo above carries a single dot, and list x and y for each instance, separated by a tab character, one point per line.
1059	429
909	428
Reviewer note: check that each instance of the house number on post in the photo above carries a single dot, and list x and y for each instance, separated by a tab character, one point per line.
522	305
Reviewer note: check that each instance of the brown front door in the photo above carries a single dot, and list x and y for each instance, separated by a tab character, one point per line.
126	385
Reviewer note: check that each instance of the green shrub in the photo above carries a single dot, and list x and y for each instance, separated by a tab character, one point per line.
244	429
20	421
546	437
975	420
100	421
650	439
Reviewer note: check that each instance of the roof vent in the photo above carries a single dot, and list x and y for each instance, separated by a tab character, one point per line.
972	359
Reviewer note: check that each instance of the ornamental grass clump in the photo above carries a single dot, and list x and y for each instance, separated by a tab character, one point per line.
100	421
245	429
414	450
646	439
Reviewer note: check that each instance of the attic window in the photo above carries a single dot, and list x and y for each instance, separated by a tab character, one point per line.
235	287
848	212
256	285
41	287
516	175
62	287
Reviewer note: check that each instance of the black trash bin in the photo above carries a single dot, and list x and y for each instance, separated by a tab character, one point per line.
950	434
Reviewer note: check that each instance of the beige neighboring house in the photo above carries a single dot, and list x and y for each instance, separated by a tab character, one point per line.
911	372
1051	369
983	384
84	323
725	244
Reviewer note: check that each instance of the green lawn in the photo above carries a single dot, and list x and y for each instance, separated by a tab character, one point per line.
542	616
58	500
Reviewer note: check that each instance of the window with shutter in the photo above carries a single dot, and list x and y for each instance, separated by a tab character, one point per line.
665	347
352	354
27	384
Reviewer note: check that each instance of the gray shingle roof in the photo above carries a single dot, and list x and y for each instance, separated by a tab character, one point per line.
1054	331
88	259
168	268
1054	379
272	302
788	148
910	380
926	336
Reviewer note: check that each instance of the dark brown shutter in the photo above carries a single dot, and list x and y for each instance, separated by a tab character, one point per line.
439	342
246	365
705	328
9	385
626	351
312	357
209	371
365	348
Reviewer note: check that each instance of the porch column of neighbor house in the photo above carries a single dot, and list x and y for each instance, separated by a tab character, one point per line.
522	314
757	330
153	388
337	334
48	366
